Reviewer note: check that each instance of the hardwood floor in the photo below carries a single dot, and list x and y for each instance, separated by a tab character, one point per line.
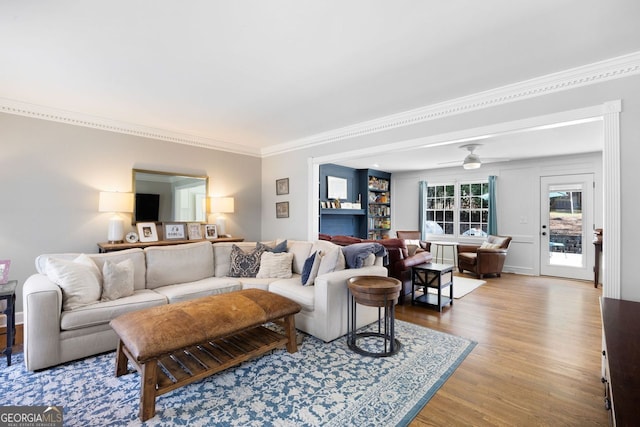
537	361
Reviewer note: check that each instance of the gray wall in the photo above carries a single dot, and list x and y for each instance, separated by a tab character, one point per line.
295	165
51	174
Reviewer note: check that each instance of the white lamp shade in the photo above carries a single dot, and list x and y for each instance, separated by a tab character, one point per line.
222	205
115	202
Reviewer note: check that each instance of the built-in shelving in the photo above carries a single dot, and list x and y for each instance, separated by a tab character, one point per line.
378	206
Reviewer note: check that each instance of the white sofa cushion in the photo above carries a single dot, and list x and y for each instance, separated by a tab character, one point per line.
293	289
117	280
301	251
102	312
332	256
168	265
79	280
201	288
276	265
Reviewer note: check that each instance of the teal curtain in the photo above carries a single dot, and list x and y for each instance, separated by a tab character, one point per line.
422	206
492	226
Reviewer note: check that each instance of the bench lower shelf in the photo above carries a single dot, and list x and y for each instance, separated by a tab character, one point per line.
174	370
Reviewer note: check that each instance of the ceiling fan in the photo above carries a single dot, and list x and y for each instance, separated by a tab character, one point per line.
472	160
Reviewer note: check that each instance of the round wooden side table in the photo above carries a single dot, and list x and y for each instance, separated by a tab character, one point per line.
374	291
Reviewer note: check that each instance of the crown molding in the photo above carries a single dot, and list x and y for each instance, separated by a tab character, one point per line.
598	72
85	120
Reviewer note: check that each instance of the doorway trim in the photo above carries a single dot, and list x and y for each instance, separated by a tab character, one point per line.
609	112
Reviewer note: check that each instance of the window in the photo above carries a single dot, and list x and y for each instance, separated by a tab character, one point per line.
474	209
457	207
440	209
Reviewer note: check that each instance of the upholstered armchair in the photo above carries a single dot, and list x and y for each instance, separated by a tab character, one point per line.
487	258
413	242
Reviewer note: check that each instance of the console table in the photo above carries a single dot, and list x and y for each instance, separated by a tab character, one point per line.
8	293
111	247
621	329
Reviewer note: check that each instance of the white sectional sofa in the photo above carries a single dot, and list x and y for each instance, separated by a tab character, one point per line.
168	274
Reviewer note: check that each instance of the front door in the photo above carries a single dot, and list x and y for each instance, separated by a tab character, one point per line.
566	226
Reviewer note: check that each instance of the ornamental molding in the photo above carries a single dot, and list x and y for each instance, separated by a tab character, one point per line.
610	69
615	68
85	120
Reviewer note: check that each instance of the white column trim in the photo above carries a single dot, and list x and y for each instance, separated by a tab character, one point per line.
611	200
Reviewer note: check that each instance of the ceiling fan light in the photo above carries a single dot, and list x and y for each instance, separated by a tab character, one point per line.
472	161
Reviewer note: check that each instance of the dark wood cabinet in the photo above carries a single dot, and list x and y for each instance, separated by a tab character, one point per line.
621	329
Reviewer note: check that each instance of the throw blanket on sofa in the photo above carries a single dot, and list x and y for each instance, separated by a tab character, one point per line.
356	253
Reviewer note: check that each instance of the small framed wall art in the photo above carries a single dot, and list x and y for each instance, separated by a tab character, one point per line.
211	231
147	231
194	230
4	271
282	210
282	186
174	231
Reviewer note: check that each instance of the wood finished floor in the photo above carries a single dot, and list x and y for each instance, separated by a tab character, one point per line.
537	361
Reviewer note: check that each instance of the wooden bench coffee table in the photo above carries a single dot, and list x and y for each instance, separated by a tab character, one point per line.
177	344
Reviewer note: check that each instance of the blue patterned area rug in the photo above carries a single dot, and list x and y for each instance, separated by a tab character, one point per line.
322	384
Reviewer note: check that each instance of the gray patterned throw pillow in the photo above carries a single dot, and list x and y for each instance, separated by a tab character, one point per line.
245	264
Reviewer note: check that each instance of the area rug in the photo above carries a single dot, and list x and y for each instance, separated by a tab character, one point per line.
322	384
461	286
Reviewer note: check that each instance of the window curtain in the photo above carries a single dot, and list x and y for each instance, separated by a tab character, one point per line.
422	206
492	226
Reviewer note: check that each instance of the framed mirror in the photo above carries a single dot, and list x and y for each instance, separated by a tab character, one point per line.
169	197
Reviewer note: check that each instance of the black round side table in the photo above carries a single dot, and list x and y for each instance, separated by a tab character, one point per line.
374	291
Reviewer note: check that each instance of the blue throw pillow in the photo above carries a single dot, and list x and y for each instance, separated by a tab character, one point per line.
279	248
310	269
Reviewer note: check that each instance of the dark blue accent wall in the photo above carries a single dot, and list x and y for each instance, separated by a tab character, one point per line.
344	222
351	175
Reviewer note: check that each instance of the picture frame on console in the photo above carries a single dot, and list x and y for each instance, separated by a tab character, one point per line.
211	231
147	231
4	271
174	231
194	231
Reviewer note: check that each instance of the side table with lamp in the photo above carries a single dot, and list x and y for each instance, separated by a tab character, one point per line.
8	294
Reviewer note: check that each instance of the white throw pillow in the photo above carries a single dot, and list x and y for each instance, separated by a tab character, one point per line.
487	245
117	280
275	265
79	280
330	256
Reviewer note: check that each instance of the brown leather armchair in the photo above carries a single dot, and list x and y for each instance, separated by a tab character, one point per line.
484	260
414	235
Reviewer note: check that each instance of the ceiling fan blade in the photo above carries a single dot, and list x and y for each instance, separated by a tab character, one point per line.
455	162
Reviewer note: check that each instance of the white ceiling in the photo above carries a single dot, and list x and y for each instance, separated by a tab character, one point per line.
254	74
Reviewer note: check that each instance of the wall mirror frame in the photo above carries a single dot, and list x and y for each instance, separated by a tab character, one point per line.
169	196
336	188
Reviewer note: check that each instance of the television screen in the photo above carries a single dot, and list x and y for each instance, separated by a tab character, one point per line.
147	207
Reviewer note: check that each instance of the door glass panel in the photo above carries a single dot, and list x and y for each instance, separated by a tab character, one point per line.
565	226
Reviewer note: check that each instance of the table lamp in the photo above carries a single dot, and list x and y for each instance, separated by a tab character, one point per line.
219	206
115	203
